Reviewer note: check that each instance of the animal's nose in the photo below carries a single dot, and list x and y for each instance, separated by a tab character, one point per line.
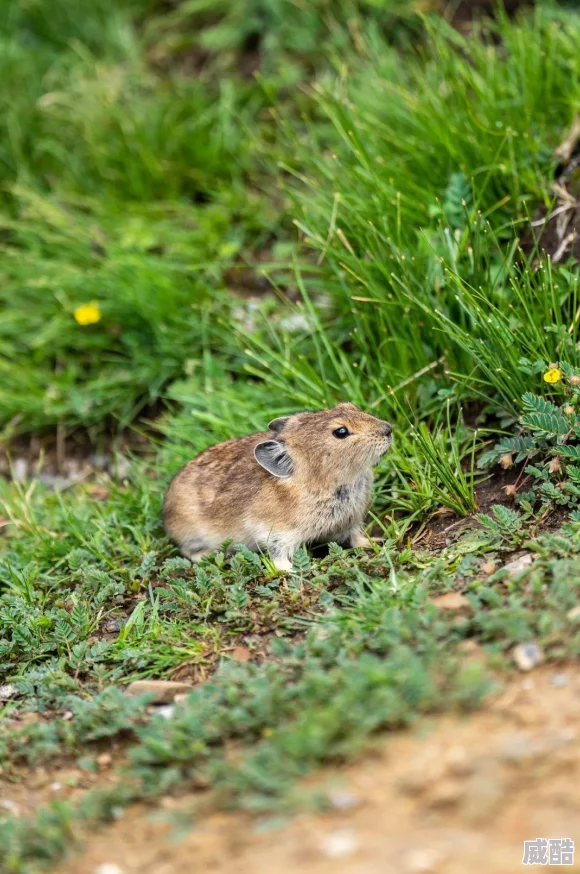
387	430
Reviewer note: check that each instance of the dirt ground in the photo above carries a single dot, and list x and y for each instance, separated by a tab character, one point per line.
455	794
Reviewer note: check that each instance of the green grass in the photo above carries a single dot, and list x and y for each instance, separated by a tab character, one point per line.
136	189
412	227
415	202
376	648
378	169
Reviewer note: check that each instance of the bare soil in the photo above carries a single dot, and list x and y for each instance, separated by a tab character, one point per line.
60	460
455	794
465	12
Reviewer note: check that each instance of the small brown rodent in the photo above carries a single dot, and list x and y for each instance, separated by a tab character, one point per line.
307	480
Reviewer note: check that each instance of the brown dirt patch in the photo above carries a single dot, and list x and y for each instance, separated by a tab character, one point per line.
450	796
28	789
444	527
61	459
466	12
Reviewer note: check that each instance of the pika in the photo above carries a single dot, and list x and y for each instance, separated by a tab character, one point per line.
307	480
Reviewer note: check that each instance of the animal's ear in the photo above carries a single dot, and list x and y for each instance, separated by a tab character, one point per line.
273	457
276	425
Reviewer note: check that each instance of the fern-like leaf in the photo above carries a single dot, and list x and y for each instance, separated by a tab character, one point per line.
508	520
300	561
534	404
547	424
456	200
568	451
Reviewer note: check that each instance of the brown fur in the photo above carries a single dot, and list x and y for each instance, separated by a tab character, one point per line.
320	490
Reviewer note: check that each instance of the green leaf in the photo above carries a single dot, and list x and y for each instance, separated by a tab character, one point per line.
300	561
533	403
549	424
568	451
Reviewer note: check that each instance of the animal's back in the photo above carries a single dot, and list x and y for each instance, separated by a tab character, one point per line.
219	491
211	482
308	479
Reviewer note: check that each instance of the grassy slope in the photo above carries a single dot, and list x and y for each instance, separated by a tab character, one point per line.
409	170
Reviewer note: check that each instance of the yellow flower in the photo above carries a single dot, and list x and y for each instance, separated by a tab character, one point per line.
553	375
88	313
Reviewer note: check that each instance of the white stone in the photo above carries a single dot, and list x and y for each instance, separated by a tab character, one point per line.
527	655
339	844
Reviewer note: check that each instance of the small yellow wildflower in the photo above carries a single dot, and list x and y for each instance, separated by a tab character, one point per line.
88	314
553	375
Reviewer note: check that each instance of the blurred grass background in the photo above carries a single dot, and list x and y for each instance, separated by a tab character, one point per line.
318	198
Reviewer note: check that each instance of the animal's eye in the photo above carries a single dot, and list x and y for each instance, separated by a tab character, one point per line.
341	433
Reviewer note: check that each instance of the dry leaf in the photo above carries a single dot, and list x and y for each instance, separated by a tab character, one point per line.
100	493
241	654
566	148
451	601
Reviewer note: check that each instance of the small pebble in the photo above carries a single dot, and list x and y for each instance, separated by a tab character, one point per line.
341	799
20	469
559	680
8	691
112	626
56	786
519	564
166	711
120	467
527	656
339	844
11	806
108	868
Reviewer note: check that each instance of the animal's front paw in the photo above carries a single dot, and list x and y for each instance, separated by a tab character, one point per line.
358	539
282	564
